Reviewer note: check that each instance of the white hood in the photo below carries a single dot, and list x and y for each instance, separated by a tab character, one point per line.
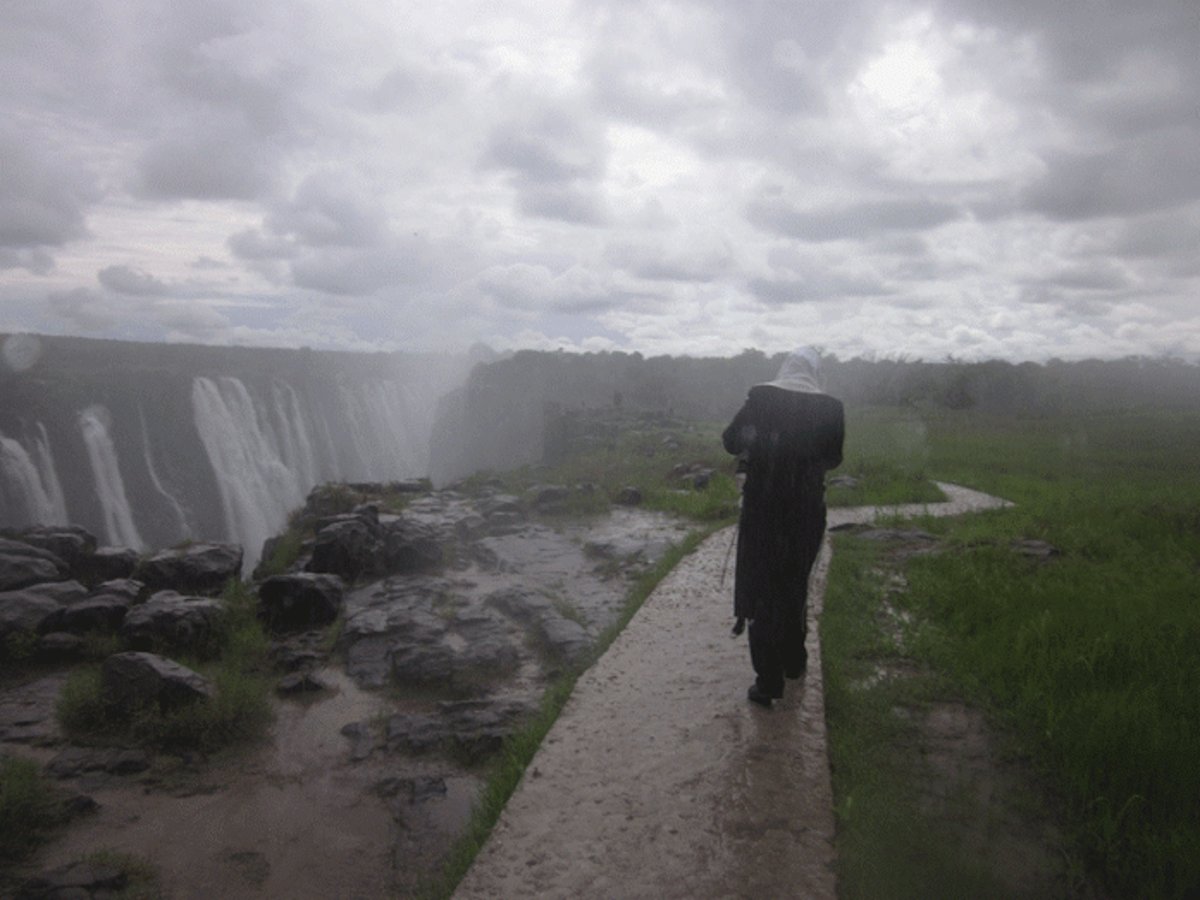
800	372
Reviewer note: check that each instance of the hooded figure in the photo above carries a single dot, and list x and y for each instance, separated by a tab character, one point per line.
786	436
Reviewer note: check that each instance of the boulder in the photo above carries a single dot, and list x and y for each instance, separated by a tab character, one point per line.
409	546
70	543
22	565
58	646
25	611
347	547
107	563
201	568
169	619
299	601
130	681
628	496
99	612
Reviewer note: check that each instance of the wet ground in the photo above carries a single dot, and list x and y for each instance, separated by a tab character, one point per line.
312	812
660	779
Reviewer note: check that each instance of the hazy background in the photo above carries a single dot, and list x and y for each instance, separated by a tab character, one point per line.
977	178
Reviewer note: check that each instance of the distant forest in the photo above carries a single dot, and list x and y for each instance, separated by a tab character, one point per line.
713	388
499	419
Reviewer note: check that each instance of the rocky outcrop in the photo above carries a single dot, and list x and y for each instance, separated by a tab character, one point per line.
470	729
169	620
300	601
22	565
130	681
203	568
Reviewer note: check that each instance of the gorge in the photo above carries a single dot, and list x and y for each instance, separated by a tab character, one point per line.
150	445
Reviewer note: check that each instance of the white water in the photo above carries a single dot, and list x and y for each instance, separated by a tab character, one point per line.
256	486
389	434
34	483
119	526
181	518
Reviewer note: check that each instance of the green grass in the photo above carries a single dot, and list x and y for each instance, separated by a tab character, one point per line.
506	770
30	807
1090	659
239	712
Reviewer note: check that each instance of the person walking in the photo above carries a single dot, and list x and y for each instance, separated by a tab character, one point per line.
786	436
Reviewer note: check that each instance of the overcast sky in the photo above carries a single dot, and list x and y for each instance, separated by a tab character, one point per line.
1015	179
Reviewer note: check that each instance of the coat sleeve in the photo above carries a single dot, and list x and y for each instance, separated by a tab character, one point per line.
739	434
832	451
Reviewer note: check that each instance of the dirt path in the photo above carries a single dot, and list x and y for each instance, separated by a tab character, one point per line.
660	779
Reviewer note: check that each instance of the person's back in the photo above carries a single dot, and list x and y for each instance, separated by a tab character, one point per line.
786	436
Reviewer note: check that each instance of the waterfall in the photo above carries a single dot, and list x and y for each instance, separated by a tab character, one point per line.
32	486
256	487
110	488
181	519
293	430
386	437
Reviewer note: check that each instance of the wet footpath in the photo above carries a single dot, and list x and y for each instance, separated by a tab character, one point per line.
660	779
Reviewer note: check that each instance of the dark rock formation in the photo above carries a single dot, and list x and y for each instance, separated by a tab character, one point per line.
410	545
299	601
77	881
108	563
134	680
70	543
22	565
472	729
171	620
348	547
203	568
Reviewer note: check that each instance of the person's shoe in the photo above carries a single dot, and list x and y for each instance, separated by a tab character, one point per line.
757	696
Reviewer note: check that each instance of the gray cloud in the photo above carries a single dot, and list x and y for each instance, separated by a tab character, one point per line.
44	196
852	221
134	282
554	160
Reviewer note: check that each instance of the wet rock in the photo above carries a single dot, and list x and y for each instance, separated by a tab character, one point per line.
473	729
70	543
99	612
75	881
169	619
108	563
410	545
1035	549
628	496
76	761
564	638
846	481
348	548
301	683
129	588
549	496
299	601
201	568
897	534
362	740
23	565
32	609
133	680
418	789
27	715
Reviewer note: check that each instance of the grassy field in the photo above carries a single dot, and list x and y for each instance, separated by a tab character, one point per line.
1087	662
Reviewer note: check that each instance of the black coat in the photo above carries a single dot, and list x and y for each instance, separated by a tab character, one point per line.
786	440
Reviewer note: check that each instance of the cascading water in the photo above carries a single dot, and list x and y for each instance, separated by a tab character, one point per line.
110	487
257	488
174	505
31	487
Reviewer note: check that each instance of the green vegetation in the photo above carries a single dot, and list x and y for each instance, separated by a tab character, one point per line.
30	807
1088	659
506	769
240	711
